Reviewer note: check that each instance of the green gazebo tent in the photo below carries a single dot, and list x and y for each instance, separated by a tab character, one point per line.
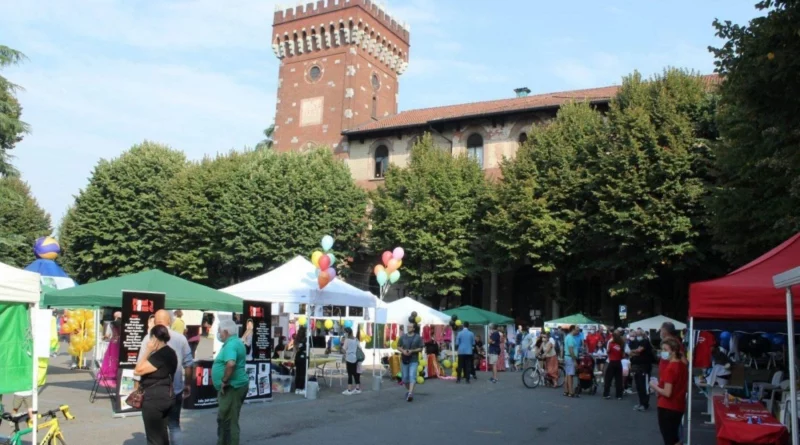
181	294
476	316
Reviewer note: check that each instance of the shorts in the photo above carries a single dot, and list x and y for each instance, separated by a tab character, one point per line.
493	358
409	372
569	366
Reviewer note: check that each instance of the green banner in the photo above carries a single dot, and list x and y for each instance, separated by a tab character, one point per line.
16	348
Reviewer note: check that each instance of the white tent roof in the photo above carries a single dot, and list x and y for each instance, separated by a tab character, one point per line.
656	322
19	286
295	282
399	311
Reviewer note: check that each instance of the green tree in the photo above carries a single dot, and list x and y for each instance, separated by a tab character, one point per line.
21	222
649	198
240	214
758	194
11	127
110	230
266	143
433	209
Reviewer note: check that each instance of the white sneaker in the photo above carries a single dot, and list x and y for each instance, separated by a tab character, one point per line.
347	392
356	391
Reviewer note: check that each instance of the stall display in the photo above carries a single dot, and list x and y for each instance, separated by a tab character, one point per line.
747	422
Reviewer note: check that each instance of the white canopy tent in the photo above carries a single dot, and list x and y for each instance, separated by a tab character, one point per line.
656	322
399	310
20	286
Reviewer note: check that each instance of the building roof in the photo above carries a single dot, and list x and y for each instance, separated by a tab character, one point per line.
429	116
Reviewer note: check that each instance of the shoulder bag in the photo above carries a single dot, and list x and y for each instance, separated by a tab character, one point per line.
360	355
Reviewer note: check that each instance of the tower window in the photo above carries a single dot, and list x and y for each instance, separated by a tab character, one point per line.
374	107
376	81
381	161
523	138
475	148
314	73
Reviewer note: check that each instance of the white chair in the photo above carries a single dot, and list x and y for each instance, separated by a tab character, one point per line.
760	387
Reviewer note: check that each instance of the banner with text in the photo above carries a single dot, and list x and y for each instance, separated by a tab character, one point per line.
257	316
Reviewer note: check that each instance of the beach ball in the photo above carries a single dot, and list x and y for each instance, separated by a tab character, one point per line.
46	248
420	380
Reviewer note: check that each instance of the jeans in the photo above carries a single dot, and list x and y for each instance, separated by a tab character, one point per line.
640	377
230	405
613	372
174	421
464	366
409	372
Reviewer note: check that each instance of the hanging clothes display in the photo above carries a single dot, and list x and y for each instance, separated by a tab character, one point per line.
426	334
438	334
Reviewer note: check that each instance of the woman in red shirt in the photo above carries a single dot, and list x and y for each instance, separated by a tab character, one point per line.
671	389
616	351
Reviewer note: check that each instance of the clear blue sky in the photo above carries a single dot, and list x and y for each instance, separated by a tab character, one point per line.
200	75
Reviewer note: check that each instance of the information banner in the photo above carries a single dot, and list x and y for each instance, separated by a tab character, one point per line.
257	316
203	394
137	310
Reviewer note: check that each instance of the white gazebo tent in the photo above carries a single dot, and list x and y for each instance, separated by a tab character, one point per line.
22	287
295	282
398	311
654	323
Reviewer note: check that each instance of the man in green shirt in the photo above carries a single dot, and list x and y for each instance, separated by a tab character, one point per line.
231	382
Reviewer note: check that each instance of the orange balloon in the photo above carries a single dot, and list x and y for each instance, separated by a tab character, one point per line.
392	266
323	279
378	268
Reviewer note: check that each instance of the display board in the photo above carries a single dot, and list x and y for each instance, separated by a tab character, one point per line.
137	309
257	317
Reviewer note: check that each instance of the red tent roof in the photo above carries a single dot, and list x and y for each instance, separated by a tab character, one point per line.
748	292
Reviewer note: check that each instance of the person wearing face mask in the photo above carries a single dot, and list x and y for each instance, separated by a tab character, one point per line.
671	389
641	365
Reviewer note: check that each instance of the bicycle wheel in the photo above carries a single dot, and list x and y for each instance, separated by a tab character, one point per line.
57	440
531	377
562	376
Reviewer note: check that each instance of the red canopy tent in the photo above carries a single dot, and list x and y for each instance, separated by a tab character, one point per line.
748	293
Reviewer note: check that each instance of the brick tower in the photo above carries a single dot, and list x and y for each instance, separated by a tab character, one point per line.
340	62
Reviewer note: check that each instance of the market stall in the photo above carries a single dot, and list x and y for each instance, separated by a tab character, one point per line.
480	317
654	323
580	320
19	302
747	300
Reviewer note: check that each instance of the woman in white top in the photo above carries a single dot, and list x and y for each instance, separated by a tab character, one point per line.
350	351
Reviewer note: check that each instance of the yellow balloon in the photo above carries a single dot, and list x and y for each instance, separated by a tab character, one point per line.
315	258
446	363
418	319
301	320
458	323
328	324
394	344
399	264
420	380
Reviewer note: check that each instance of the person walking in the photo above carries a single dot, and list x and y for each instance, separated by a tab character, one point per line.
231	382
465	342
409	345
616	351
179	325
479	355
156	370
350	350
641	364
671	389
494	351
180	385
572	348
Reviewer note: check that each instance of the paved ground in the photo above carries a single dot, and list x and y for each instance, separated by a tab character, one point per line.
505	412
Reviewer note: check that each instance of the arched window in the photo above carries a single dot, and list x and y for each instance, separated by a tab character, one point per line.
523	138
381	161
475	148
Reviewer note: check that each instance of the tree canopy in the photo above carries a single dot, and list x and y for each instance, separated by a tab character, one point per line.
22	221
11	127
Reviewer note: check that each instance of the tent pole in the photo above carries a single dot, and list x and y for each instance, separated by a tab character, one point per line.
35	386
689	397
792	373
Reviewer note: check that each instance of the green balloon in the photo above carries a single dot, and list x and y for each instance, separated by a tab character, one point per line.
394	276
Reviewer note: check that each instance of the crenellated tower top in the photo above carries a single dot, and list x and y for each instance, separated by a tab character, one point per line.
357	24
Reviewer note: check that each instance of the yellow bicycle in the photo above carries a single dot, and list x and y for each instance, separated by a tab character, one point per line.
54	436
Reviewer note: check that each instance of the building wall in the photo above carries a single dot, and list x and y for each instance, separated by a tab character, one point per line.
500	140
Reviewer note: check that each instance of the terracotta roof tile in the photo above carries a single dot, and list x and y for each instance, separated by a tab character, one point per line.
423	116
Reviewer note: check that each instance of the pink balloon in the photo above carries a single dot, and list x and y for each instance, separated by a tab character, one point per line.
332	272
398	253
386	257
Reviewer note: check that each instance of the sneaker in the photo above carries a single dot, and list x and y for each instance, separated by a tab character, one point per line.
347	392
636	407
607	397
356	391
410	397
493	380
619	398
628	391
407	394
641	408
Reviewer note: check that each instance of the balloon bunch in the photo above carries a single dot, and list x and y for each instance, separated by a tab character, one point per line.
389	272
80	323
455	322
324	262
414	318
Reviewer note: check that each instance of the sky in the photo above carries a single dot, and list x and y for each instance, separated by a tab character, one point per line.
200	75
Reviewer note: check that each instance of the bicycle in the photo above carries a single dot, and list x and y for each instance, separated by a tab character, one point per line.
54	435
533	376
16	438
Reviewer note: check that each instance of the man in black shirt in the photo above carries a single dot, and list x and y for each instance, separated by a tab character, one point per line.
641	364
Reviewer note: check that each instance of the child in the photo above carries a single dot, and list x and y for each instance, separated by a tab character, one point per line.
517	358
